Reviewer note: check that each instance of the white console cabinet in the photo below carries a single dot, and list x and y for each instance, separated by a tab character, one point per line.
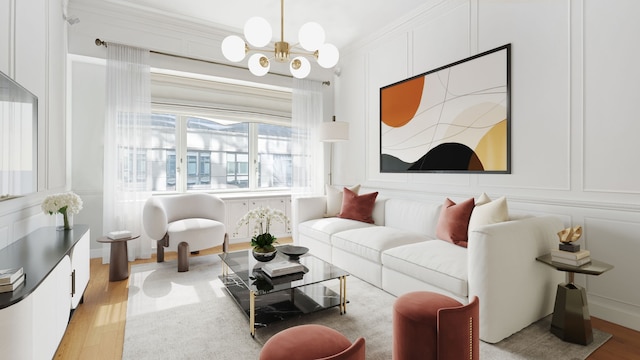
237	208
34	317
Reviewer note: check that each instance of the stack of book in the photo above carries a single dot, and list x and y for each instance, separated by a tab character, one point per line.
577	258
282	268
121	234
11	279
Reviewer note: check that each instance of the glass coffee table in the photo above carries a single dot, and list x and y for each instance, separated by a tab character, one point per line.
265	300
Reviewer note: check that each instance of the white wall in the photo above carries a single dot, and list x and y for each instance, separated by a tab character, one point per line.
33	47
574	123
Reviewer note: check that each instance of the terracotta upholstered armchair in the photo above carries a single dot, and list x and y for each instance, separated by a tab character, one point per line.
185	223
432	326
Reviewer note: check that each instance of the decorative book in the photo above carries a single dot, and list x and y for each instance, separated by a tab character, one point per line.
570	255
9	276
578	262
285	278
282	268
122	234
12	286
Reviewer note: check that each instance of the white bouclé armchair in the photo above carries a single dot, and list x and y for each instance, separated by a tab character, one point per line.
185	223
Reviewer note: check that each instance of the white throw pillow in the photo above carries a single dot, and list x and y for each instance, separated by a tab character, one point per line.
334	198
488	212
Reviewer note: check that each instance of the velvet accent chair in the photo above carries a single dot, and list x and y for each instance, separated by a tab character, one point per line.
310	342
185	223
430	326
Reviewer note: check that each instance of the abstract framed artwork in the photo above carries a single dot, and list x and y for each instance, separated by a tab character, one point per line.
455	118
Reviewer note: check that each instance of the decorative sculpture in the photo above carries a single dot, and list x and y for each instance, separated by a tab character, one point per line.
569	235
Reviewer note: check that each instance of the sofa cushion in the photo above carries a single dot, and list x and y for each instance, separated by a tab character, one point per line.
412	215
322	229
370	242
453	222
436	262
358	207
488	212
334	198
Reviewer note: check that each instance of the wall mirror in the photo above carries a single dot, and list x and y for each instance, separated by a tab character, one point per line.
18	140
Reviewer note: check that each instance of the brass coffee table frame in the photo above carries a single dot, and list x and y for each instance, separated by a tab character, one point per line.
292	295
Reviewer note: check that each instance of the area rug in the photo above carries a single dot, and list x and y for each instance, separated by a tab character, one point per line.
189	315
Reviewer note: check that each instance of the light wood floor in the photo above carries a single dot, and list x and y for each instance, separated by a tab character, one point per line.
96	330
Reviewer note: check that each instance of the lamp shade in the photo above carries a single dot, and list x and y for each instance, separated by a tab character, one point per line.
258	64
257	31
328	56
333	131
311	36
233	48
302	70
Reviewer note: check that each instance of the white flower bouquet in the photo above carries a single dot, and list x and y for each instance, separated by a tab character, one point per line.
261	217
66	204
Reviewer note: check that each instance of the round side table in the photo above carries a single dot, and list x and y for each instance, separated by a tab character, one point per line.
119	259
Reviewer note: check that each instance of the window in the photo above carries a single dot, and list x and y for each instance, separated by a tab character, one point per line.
216	155
238	169
134	160
171	170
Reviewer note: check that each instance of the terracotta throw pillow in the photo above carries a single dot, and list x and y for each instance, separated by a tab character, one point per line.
358	207
454	221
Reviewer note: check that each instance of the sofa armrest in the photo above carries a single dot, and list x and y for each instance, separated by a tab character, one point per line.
514	289
306	208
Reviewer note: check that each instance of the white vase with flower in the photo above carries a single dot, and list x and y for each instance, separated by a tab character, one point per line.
65	205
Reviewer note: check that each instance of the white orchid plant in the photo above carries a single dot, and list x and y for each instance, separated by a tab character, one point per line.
261	219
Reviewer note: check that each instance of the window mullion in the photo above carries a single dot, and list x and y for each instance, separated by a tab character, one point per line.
253	156
181	153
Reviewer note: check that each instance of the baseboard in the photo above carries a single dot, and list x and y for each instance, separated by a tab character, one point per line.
622	314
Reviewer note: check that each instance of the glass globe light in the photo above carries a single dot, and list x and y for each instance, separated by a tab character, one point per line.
258	64
233	48
257	31
300	67
328	56
311	36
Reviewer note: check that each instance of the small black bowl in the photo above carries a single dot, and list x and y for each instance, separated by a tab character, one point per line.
292	251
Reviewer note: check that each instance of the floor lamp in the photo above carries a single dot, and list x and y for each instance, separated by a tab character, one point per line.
331	132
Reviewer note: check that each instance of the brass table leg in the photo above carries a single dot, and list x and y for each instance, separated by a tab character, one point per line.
252	313
343	295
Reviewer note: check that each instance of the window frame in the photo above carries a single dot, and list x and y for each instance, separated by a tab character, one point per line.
182	154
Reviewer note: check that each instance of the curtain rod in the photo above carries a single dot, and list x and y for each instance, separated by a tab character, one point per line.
105	44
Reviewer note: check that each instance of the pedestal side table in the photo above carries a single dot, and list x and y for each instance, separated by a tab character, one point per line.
571	321
119	259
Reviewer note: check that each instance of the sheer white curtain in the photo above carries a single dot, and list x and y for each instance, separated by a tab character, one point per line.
126	130
306	116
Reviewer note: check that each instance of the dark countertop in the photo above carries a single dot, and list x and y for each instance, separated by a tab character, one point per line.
38	253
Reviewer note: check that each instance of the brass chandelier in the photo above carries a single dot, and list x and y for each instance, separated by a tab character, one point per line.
258	33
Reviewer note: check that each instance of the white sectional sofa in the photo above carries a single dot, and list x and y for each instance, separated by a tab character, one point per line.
400	253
